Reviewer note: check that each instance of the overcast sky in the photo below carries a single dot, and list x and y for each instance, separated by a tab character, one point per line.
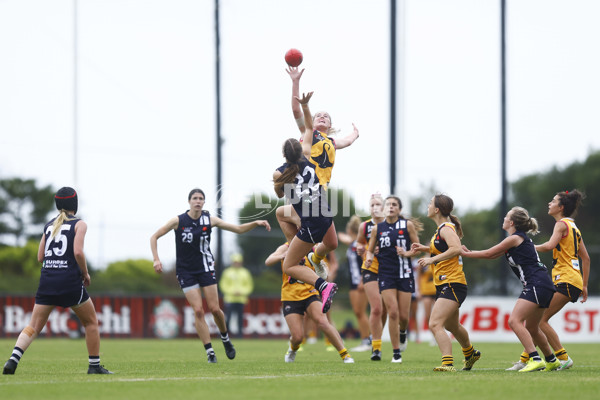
146	100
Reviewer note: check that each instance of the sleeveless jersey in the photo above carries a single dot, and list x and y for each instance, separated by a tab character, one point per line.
354	263
307	195
447	271
296	291
525	263
367	232
565	257
192	243
390	235
322	155
60	270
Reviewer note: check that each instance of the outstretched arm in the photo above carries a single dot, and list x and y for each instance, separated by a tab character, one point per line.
296	74
414	238
308	123
277	255
346	141
345	238
560	230
239	229
495	251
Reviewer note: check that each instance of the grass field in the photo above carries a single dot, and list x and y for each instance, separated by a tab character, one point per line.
177	369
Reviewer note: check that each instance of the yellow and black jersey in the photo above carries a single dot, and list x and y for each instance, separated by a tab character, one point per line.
565	256
322	155
375	264
296	291
426	285
447	271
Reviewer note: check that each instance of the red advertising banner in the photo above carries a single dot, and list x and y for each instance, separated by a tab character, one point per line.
171	317
139	317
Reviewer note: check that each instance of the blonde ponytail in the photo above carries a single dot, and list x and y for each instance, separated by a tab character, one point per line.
62	217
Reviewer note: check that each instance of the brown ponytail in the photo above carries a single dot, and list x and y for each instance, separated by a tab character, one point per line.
292	151
445	204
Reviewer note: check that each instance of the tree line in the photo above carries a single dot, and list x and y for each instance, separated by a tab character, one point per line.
24	208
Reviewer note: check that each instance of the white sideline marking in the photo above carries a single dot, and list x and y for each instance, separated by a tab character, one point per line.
197	378
110	378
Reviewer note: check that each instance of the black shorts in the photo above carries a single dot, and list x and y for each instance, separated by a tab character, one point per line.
538	294
369	276
452	291
313	229
63	300
298	307
401	284
189	280
570	291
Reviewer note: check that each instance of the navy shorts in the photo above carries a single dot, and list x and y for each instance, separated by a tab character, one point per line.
541	295
570	291
401	284
189	280
369	276
452	291
298	307
65	300
313	229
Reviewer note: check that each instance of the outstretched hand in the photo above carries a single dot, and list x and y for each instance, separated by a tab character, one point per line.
418	248
265	223
425	261
294	72
305	98
402	252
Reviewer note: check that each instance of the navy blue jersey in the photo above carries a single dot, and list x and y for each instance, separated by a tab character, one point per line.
60	271
525	263
354	264
306	194
389	236
192	243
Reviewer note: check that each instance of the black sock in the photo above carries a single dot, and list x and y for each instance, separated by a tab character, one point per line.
320	284
208	348
94	361
225	336
17	354
535	356
402	336
396	351
550	358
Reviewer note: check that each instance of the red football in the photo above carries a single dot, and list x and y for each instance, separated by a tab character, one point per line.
293	57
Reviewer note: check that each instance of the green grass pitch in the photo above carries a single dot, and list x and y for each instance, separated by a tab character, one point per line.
177	369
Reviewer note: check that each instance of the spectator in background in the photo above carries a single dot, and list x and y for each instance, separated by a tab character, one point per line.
236	285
